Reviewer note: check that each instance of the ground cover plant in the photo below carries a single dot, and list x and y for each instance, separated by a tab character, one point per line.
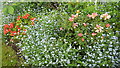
67	34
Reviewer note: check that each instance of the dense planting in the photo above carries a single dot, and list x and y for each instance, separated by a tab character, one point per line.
86	35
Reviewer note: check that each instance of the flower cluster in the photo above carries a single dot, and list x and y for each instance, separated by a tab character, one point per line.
18	27
95	29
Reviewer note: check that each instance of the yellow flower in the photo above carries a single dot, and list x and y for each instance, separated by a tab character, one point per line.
78	11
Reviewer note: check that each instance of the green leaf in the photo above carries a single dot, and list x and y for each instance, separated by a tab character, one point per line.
5	10
10	9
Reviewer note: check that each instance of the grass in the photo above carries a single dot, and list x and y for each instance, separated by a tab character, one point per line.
9	57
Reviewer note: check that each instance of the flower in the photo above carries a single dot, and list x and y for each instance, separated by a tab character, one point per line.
84	24
12	34
6	26
73	16
107	25
6	31
78	11
61	28
105	16
26	16
18	18
75	25
11	25
32	23
71	19
83	39
93	15
89	15
32	19
24	30
80	34
98	28
17	26
93	34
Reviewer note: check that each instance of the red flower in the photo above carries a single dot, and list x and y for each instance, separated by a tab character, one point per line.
13	32
26	16
24	30
6	26
11	25
32	19
18	18
6	31
80	34
107	25
17	26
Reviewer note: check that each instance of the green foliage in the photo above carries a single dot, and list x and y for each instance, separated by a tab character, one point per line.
8	9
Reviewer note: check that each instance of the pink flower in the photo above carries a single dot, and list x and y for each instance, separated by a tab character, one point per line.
89	15
80	34
93	15
98	26
71	19
93	34
83	39
73	16
61	28
107	25
75	25
84	24
105	16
